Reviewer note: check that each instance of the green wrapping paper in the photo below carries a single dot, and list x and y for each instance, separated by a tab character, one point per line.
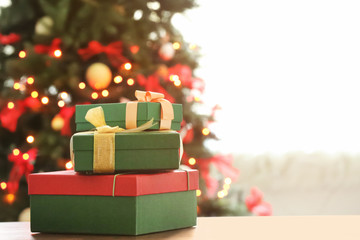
150	150
115	115
113	215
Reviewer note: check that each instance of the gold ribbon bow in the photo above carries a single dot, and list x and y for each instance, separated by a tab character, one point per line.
104	140
167	111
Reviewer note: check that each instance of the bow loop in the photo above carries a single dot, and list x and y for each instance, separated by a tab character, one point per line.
167	111
148	96
96	117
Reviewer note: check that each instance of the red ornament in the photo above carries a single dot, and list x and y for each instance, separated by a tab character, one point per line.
152	83
32	103
184	73
66	113
255	204
254	199
50	50
23	166
9	39
263	209
223	163
141	79
113	52
189	136
9	117
134	49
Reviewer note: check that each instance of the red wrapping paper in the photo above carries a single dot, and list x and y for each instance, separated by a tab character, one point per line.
72	183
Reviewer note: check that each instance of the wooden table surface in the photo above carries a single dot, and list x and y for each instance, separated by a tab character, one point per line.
239	228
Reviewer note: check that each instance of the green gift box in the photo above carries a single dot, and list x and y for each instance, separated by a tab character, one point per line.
148	150
130	204
115	115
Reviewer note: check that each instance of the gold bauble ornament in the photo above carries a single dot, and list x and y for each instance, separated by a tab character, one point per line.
99	76
57	123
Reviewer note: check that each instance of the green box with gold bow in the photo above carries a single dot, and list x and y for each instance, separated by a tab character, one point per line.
148	150
133	114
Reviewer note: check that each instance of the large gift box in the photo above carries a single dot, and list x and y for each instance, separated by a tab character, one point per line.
150	150
133	114
125	204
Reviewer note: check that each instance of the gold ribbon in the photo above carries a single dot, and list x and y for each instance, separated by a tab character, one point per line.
104	140
167	111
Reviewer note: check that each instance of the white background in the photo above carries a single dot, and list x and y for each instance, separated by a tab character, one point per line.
285	72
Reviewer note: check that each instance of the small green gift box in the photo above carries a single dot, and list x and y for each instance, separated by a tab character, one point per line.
148	150
128	204
115	115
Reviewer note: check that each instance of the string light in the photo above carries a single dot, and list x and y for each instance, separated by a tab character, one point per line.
192	161
134	49
198	192
69	165
105	93
16	86
22	87
82	85
45	100
61	103
130	81
193	46
225	192
127	66
25	156
30	139
22	54
34	94
16	152
30	80
10	105
3	185
226	186
94	95
205	131
9	198
64	95
174	78
118	79
177	83
221	194
176	45
57	53
227	180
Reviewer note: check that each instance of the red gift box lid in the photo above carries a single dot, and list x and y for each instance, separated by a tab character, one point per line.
71	183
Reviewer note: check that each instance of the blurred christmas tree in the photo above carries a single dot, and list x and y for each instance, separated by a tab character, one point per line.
56	54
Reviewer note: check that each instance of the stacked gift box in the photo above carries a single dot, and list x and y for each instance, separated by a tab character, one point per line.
126	177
